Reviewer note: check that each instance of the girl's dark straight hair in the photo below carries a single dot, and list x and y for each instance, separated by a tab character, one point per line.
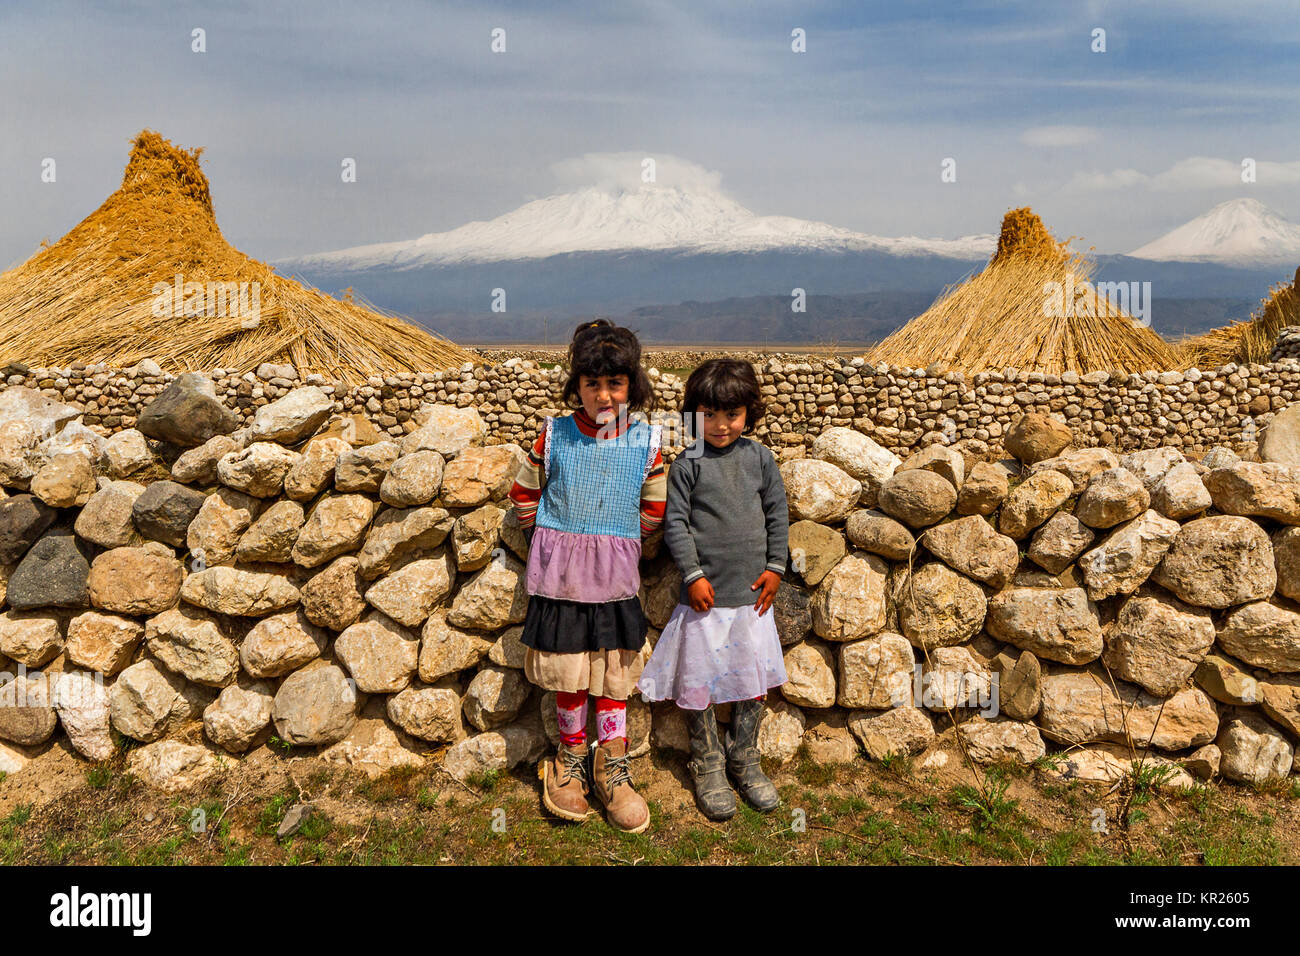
602	348
721	384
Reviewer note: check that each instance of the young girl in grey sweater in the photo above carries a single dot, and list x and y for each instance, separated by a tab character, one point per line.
726	525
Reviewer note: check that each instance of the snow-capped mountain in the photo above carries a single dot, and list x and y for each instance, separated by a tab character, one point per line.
617	218
1239	232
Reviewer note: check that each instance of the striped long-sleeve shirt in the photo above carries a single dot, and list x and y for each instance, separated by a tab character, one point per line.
527	489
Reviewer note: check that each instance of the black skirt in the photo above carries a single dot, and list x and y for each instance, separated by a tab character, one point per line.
571	627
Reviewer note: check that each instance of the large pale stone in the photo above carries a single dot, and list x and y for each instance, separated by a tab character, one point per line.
521	742
902	731
1280	439
876	673
281	643
214	532
1157	641
66	481
508	650
492	599
1083	707
1219	561
1036	436
1078	464
337	524
1152	464
429	713
1263	634
1266	490
1253	751
780	731
102	642
315	705
495	697
30	637
143	699
82	703
945	462
172	766
257	469
1032	502
397	532
313	470
106	518
814	550
1227	681
811	670
446	429
475	536
27	715
917	497
880	534
227	590
1060	624
409	594
857	456
333	597
198	466
984	489
1286	561
478	475
271	537
412	480
996	741
1058	542
445	649
379	653
238	715
364	468
849	603
134	581
290	419
1121	563
1020	685
972	547
1112	497
954	677
940	607
1181	493
126	452
192	644
1280	700
373	746
819	491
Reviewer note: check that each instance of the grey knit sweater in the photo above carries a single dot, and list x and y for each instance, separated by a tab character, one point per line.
727	519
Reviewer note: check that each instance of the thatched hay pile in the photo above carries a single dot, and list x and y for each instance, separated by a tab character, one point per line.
1000	317
1250	340
107	291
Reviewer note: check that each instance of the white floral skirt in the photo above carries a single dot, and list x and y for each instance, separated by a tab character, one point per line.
713	657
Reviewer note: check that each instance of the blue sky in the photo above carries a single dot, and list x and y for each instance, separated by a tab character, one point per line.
1115	147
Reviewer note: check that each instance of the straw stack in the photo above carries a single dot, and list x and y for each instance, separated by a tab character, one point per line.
1001	317
1250	340
108	291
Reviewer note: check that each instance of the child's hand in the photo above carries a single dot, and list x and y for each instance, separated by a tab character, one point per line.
769	581
700	592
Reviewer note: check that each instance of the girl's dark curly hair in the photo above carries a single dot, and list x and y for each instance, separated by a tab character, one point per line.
722	384
603	348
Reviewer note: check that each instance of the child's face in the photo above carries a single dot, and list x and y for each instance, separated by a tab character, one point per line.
602	396
722	426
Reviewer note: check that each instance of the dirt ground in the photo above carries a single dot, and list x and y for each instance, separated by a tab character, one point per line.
61	809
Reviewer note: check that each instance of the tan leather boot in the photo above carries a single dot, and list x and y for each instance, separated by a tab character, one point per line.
564	782
624	807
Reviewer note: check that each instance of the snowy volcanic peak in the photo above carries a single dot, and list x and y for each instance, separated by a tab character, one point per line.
1240	232
617	218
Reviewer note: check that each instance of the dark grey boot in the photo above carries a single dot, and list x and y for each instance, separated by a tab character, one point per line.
742	756
707	765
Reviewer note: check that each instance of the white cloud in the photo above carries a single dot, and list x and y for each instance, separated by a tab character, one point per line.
615	171
1195	172
1058	135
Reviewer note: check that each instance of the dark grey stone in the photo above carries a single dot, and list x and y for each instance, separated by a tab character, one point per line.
164	511
23	518
187	412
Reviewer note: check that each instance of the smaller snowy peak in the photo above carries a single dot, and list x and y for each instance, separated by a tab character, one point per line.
1239	232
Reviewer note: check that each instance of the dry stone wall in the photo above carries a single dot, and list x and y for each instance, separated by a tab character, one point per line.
901	409
201	586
